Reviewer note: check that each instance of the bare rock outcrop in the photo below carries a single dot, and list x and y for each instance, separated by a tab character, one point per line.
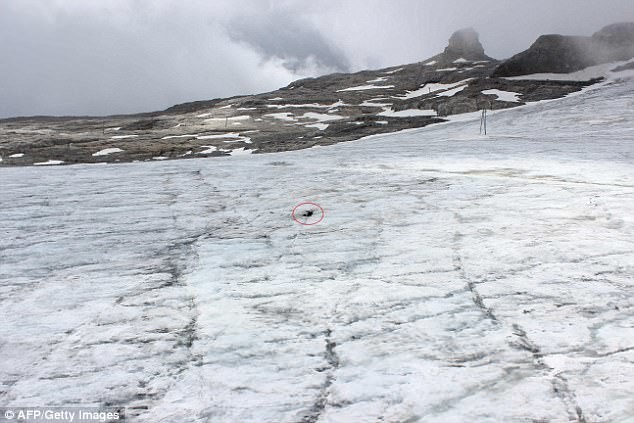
563	54
465	43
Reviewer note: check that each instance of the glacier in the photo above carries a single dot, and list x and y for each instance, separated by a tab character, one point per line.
455	277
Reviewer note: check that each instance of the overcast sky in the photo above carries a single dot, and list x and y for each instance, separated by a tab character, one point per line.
96	57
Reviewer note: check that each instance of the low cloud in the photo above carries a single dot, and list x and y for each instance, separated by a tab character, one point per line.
295	42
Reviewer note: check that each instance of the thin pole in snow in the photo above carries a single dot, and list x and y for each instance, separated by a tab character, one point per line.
483	119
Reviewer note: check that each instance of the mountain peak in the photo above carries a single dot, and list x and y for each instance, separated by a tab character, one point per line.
465	43
567	53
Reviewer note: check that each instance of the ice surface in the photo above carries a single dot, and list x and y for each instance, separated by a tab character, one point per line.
16	155
454	278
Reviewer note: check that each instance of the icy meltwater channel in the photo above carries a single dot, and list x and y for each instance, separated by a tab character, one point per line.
454	278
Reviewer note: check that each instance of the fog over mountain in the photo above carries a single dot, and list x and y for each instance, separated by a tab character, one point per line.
121	56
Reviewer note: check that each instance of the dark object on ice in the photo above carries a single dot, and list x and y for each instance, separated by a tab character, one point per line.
307	213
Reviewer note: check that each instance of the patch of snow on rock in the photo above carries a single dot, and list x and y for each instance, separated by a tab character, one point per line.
307	106
431	88
452	92
591	72
393	71
209	149
49	163
509	96
366	87
282	116
240	152
231	119
370	103
179	136
375	80
107	151
235	137
121	137
407	113
320	126
320	117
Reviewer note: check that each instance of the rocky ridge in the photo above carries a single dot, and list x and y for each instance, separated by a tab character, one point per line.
310	112
562	54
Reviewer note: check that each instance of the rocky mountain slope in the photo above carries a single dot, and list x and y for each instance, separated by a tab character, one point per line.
315	111
558	53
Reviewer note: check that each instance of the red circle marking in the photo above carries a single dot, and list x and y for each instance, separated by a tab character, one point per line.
312	204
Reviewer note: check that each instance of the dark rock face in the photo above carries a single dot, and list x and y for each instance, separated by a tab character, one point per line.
550	54
465	44
563	54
